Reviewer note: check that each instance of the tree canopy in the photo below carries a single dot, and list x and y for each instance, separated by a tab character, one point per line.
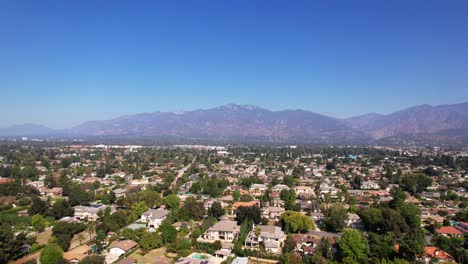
295	222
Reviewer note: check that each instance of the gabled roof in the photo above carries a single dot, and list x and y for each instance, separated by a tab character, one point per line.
435	252
225	226
448	230
125	245
156	213
246	204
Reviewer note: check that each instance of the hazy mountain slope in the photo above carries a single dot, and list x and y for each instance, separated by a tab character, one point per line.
224	121
419	124
424	119
26	130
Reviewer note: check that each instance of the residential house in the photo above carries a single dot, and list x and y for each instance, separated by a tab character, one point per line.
76	255
120	193
122	247
245	204
304	190
354	221
270	236
272	212
56	191
225	251
224	230
432	253
325	188
257	189
449	231
154	217
370	185
91	212
279	188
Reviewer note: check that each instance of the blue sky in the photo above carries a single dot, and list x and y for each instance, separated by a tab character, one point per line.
64	62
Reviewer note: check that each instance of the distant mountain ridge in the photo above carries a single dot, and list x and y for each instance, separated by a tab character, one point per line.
442	123
26	129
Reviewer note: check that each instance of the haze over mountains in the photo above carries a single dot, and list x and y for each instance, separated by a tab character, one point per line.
443	123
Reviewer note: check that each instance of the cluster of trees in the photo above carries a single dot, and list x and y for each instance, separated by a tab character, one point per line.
211	186
296	222
289	198
10	243
59	209
455	246
395	222
335	218
191	209
63	233
252	214
416	182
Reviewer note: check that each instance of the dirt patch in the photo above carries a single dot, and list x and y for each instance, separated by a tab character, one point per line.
150	256
43	237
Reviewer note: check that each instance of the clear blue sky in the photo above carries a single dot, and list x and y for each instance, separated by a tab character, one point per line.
64	62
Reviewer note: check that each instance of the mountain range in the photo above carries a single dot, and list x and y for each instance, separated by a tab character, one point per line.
446	124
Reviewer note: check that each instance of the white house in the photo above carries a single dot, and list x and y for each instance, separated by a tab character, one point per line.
224	230
91	212
154	218
272	212
270	236
279	188
370	185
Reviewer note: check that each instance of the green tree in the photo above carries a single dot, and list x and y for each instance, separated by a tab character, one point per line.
372	218
246	213
412	245
381	246
172	202
151	198
64	241
294	222
236	195
353	247
108	198
192	210
335	217
168	232
324	248
38	223
289	198
51	254
416	183
150	241
411	213
10	244
398	196
393	222
78	196
38	206
216	210
61	208
100	240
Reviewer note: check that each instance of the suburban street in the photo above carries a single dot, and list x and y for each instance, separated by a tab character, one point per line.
180	173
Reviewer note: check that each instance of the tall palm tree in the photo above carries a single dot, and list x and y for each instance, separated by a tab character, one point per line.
91	229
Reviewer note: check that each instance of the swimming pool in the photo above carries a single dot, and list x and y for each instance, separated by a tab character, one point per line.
199	256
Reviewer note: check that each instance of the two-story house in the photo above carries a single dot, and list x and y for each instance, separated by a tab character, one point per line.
224	230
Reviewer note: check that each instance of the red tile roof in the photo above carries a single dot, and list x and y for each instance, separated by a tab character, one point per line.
448	230
435	252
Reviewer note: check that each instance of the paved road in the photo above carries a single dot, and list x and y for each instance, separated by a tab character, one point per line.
180	174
